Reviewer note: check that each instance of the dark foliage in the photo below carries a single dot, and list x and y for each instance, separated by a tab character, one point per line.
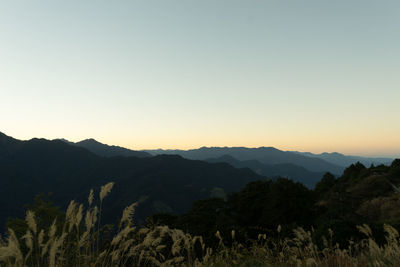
337	204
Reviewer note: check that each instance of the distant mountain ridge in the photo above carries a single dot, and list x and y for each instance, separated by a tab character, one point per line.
106	150
265	155
291	171
346	160
314	163
305	167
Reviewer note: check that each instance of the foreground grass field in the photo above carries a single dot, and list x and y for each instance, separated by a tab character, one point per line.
81	240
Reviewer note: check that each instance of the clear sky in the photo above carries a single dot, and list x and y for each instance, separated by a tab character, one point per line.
312	75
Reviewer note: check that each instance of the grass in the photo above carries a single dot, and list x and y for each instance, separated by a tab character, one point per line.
80	241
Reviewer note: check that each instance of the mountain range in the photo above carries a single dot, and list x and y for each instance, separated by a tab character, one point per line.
266	155
344	160
304	167
161	180
164	183
303	161
326	162
288	170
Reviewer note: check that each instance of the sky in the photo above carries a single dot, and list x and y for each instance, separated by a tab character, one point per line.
312	75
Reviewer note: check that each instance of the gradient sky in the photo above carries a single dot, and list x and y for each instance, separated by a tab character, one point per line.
297	75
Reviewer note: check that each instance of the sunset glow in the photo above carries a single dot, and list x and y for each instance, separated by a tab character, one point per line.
318	76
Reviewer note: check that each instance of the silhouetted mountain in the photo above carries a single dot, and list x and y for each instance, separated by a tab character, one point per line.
161	183
110	151
344	160
294	172
7	145
265	155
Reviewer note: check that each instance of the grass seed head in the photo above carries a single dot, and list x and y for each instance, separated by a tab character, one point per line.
91	197
105	190
30	219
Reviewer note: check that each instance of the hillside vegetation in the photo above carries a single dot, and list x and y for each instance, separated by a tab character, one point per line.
360	196
349	221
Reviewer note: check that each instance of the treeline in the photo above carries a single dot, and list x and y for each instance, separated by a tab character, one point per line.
360	196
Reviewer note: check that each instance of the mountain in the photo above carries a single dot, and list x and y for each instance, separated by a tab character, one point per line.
162	183
110	151
265	155
294	172
344	160
285	167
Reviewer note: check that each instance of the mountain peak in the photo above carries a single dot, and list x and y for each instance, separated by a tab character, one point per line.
64	140
89	141
109	151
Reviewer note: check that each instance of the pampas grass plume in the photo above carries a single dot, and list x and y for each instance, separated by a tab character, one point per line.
105	189
91	197
30	219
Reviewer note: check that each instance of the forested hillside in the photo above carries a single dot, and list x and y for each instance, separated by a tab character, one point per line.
161	184
360	196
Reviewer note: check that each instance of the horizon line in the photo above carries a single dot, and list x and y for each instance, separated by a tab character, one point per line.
369	155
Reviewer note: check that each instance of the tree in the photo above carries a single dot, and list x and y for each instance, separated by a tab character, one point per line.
326	183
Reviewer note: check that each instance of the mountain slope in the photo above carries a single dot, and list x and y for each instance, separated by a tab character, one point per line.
161	183
344	160
266	155
110	151
294	172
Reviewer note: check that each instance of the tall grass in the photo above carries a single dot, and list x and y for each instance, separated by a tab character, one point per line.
78	241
